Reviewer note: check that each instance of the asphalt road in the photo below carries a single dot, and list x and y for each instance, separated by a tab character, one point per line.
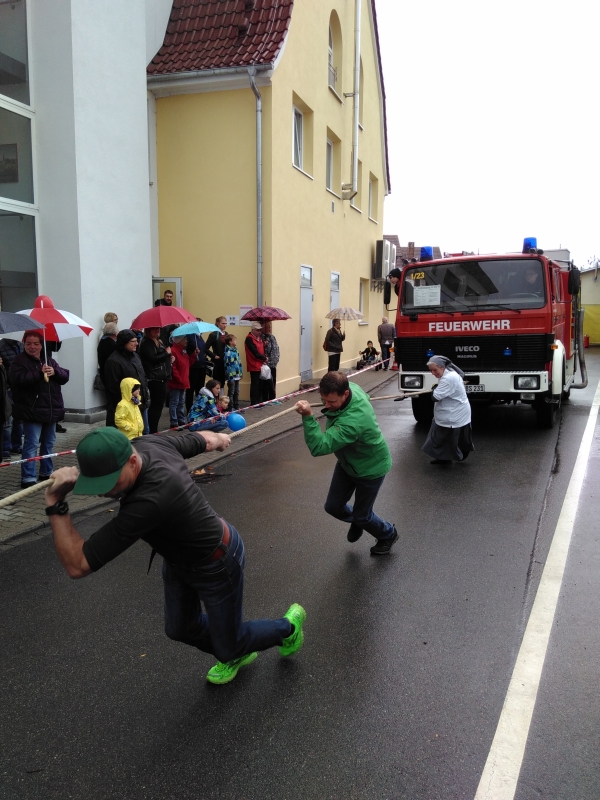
399	686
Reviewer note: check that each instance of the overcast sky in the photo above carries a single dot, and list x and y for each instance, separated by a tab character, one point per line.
493	123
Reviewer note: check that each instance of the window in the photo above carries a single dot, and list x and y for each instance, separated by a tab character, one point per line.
14	81
332	69
18	272
334	55
329	166
335	281
298	138
302	135
306	277
16	172
373	197
363	298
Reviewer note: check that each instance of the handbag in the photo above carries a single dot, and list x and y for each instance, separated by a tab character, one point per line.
265	372
98	385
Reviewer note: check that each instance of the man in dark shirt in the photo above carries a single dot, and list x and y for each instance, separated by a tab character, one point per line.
166	299
203	556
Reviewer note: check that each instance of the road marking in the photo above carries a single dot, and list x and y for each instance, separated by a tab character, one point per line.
503	765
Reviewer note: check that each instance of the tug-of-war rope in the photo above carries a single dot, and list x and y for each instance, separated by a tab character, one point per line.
13	498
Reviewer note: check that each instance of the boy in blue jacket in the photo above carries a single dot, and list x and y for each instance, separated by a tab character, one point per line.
233	370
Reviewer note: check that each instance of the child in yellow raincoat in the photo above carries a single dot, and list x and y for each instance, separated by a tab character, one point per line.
128	417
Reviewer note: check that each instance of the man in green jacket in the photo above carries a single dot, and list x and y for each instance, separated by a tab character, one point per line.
364	459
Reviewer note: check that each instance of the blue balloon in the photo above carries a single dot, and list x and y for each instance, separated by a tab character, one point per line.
236	422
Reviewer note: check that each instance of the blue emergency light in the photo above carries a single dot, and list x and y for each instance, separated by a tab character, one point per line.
430	353
508	351
529	243
426	254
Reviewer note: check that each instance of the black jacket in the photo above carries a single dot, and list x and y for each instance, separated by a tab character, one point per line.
123	364
215	344
34	399
106	347
334	339
155	360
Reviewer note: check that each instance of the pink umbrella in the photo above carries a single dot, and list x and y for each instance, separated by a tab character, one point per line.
58	325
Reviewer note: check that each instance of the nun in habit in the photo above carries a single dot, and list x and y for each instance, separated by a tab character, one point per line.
449	437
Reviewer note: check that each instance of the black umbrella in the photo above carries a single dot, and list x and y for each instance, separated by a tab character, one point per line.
13	326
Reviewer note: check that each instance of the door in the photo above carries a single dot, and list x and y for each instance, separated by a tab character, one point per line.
162	285
306	301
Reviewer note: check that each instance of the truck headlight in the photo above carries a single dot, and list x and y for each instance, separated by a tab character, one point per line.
527	381
411	381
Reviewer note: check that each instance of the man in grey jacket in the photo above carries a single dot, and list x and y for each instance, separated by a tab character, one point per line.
385	335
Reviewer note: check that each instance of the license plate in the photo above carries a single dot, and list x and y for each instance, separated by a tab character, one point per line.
475	387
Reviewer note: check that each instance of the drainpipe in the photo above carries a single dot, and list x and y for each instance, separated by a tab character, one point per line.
348	195
259	245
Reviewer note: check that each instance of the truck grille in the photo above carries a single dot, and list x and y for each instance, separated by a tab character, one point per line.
478	353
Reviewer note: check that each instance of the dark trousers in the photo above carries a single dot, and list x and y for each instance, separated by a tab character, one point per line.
219	587
334	362
233	392
342	487
158	393
271	388
197	381
259	390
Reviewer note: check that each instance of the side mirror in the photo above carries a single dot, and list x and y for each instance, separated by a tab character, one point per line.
387	293
574	281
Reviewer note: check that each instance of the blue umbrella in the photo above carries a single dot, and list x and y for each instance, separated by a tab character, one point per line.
189	328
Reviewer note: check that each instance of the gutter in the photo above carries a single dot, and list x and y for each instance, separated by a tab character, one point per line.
350	191
173	77
259	192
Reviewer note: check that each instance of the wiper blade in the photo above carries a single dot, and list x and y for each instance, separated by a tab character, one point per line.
419	309
500	307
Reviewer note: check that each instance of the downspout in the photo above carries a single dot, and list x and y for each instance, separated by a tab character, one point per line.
348	195
259	243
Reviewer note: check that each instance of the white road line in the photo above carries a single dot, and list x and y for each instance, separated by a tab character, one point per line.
503	765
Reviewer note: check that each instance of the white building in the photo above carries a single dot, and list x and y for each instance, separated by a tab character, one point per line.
74	171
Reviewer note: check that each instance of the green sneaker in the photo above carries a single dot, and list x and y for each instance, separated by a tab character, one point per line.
223	673
296	615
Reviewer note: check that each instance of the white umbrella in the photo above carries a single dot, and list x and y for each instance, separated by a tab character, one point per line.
345	312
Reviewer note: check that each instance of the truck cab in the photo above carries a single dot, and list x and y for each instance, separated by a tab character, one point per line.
511	322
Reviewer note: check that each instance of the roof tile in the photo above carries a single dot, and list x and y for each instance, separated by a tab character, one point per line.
215	34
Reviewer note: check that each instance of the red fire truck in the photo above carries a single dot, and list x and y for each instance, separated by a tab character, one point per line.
512	323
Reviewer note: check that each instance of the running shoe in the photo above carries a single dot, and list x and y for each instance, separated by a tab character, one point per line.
223	673
296	615
354	533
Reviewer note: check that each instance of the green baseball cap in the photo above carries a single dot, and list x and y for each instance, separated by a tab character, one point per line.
101	454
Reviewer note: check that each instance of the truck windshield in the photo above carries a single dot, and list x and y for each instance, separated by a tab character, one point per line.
473	285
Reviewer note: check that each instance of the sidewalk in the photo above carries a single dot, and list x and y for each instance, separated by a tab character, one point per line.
28	517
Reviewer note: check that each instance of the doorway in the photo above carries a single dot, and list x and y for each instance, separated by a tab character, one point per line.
162	285
306	301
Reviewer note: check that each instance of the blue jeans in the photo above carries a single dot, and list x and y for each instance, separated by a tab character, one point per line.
42	434
343	486
144	412
218	586
219	424
177	407
385	354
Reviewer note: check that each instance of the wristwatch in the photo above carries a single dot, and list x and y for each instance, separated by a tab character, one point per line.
61	508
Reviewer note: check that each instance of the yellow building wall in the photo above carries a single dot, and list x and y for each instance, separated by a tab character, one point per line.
306	231
590	300
207	193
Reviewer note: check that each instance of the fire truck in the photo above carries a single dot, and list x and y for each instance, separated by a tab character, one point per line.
513	324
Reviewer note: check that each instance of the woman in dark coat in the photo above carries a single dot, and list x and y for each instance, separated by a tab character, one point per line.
37	403
123	363
215	350
333	344
106	346
156	360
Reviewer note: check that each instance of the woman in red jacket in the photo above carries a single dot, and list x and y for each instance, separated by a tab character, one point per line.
255	358
179	382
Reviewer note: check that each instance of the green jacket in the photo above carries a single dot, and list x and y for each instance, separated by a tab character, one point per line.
352	433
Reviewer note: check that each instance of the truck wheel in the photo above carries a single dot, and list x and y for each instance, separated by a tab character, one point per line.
566	394
422	408
546	414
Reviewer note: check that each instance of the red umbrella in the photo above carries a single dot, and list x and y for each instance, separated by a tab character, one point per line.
58	324
160	316
265	314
